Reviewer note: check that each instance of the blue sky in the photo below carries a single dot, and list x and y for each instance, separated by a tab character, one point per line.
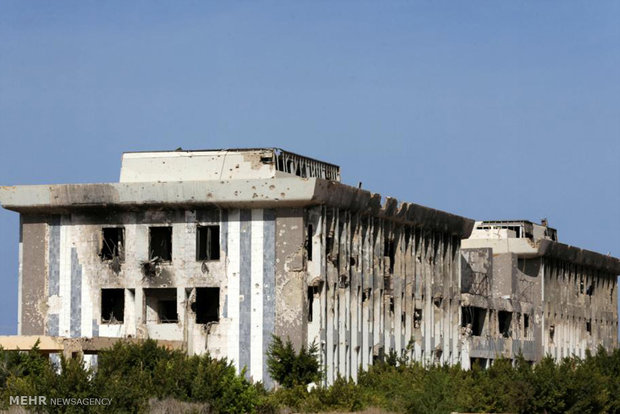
486	109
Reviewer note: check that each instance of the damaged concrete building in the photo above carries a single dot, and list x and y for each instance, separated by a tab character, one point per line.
220	249
523	291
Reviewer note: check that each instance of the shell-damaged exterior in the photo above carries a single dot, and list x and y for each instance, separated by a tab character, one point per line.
221	249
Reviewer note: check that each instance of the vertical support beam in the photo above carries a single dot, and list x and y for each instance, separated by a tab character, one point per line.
233	286
291	286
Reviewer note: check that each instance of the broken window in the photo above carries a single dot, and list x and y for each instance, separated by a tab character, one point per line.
309	241
160	243
473	319
505	321
417	318
207	305
526	325
161	305
207	242
112	243
112	305
310	302
329	250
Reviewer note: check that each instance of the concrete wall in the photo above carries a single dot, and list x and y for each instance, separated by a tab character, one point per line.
363	307
569	305
562	302
195	166
500	289
63	275
358	285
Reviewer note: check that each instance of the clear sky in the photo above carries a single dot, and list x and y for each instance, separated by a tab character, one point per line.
486	109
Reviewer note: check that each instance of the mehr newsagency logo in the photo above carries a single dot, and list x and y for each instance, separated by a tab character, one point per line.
42	400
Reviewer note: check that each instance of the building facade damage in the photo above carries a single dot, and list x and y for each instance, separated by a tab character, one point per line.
222	249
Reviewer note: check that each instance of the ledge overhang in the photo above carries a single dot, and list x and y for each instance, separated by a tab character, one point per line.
260	193
579	256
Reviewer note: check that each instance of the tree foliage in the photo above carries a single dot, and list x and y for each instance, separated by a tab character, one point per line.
135	375
289	368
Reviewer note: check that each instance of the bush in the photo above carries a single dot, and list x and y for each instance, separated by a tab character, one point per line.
289	368
137	377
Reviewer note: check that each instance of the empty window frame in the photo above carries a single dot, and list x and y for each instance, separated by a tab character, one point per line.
310	302
208	242
504	319
589	326
473	318
160	243
526	325
113	243
207	305
417	318
161	305
309	234
112	306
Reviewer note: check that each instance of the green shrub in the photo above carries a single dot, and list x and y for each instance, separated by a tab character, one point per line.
289	368
138	376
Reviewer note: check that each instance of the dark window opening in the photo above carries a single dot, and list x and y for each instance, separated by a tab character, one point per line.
581	285
207	305
112	305
310	302
329	250
366	294
389	252
516	229
161	305
437	302
551	332
168	311
526	325
113	243
309	241
353	261
589	327
417	318
208	243
160	243
590	290
473	318
479	362
505	321
391	304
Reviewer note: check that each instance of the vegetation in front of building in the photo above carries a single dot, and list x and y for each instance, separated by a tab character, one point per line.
135	377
